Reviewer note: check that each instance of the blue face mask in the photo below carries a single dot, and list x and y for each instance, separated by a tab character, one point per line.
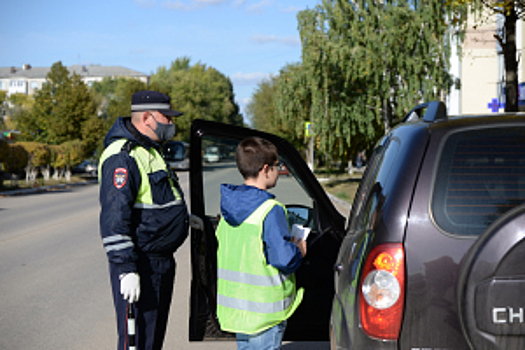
164	132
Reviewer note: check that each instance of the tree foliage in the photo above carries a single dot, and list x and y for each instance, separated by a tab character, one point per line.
264	114
16	159
199	92
4	149
39	154
73	118
113	96
364	65
61	111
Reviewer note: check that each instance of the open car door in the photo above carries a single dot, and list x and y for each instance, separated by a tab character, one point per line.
307	204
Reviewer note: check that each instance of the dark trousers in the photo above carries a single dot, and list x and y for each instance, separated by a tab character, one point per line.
157	275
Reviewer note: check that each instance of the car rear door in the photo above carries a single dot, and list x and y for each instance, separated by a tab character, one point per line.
472	175
307	204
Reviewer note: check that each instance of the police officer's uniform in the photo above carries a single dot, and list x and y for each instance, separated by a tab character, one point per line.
143	220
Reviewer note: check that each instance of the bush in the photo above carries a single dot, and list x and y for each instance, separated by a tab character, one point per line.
39	153
17	159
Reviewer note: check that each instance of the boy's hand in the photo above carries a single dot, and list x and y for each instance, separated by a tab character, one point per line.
301	244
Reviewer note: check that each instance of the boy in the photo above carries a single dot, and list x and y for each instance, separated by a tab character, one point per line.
256	257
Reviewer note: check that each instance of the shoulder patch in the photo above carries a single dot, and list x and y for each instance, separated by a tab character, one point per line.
120	177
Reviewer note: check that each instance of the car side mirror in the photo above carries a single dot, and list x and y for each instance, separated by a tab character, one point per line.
299	214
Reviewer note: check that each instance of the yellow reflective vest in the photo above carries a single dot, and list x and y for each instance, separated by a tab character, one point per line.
149	162
252	295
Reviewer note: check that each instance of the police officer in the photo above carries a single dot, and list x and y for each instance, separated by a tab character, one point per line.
143	217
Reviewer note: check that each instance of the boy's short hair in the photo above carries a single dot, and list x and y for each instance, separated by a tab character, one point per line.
252	154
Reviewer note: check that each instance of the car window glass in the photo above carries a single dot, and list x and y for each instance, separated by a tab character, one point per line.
377	191
364	187
222	169
480	176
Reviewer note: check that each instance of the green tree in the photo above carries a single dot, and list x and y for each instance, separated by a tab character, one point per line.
39	153
60	110
4	148
292	99
199	92
366	63
3	107
20	109
262	109
113	96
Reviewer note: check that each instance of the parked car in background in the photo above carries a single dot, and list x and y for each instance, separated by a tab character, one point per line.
212	154
283	170
86	168
433	253
177	155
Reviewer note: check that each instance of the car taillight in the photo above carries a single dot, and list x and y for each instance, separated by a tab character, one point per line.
382	296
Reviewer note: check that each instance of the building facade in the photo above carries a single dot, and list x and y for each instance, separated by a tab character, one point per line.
480	69
27	79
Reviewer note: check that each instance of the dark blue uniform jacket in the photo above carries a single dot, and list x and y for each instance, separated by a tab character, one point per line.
126	231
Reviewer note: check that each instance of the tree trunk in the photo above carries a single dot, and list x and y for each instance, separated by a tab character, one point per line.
387	115
511	64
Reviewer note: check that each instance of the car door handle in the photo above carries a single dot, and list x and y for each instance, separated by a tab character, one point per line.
196	222
338	268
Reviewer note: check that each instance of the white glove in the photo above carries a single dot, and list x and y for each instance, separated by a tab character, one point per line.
130	287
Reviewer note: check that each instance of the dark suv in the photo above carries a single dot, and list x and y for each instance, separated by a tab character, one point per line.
433	255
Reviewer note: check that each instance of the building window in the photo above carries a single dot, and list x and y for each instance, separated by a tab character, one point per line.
34	85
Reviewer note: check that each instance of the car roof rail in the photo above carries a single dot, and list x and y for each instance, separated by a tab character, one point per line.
434	111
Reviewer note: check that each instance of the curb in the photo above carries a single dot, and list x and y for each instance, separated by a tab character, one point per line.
42	189
339	201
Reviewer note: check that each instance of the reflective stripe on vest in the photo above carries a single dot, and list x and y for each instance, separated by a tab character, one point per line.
157	206
256	280
253	306
148	162
251	295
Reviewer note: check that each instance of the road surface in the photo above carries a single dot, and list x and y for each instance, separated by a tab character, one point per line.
54	283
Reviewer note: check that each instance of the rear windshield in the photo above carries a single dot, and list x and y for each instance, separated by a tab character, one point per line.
481	175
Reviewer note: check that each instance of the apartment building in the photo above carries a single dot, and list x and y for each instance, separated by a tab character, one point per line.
27	79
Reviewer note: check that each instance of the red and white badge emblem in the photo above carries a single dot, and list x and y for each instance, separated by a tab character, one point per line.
120	177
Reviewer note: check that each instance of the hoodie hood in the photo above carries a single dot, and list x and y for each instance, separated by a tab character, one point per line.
239	202
124	129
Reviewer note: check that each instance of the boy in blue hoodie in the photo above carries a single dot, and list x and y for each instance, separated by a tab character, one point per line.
256	255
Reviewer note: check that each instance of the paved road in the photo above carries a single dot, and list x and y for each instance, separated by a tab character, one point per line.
54	283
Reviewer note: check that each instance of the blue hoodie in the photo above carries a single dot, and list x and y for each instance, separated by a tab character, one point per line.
238	202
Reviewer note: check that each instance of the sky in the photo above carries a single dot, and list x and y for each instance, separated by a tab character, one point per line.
246	40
